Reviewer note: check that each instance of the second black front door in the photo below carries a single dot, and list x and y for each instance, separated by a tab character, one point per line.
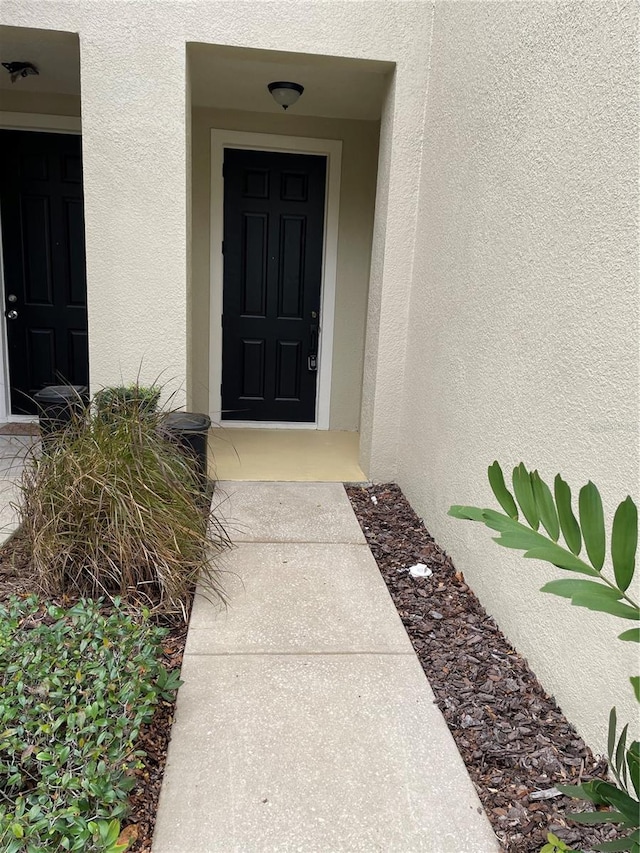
273	238
43	246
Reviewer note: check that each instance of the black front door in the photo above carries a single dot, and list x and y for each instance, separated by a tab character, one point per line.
45	291
273	237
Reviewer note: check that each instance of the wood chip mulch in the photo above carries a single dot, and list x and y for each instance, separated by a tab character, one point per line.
513	737
17	578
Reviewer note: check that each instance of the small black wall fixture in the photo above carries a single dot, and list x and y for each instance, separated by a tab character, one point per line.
285	93
20	69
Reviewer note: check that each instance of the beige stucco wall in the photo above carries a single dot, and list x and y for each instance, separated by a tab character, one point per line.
45	103
357	197
134	160
523	333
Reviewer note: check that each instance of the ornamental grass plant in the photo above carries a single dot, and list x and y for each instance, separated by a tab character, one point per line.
113	508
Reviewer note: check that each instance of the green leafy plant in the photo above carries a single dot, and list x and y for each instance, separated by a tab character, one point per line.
114	508
138	399
76	686
545	517
555	845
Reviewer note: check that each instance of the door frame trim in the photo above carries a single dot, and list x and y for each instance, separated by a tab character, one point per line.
332	150
38	123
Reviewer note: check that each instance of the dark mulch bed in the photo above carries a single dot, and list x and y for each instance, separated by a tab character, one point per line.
17	578
512	736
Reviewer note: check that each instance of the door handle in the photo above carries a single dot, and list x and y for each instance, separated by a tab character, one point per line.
312	360
12	314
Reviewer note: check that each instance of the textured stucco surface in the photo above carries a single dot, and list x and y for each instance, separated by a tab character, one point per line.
523	333
134	153
357	196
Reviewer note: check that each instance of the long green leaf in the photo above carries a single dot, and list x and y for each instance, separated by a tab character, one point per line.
620	753
611	735
620	844
467	513
635	683
545	505
524	495
569	587
624	541
502	493
568	524
498	521
515	534
592	818
557	556
583	792
592	523
630	636
633	763
602	604
619	799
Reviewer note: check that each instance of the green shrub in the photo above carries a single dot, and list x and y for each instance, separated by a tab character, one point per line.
138	399
114	508
76	686
545	517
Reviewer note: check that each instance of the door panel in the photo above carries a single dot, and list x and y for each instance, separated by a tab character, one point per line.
44	262
273	237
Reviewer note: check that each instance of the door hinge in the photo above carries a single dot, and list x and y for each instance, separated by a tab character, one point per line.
223	247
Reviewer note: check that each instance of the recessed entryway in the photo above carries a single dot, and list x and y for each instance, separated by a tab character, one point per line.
43	333
336	119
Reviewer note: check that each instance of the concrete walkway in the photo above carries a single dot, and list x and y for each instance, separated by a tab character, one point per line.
13	450
305	722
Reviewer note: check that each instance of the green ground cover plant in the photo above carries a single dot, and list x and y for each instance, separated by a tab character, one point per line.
75	687
533	520
112	507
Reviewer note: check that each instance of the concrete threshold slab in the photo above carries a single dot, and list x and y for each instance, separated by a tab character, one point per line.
305	721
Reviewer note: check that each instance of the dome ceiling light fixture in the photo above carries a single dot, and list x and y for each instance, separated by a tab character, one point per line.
284	93
20	69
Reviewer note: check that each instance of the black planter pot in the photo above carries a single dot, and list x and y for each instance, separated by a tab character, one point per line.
189	430
57	406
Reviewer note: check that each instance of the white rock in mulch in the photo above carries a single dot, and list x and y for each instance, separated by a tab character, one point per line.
420	571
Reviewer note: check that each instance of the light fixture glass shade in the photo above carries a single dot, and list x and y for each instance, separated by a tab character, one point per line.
284	93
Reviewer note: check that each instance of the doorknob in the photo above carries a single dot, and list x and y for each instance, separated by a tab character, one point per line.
12	315
312	360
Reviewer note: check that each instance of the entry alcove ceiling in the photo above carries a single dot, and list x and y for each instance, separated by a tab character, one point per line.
55	54
334	87
221	76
